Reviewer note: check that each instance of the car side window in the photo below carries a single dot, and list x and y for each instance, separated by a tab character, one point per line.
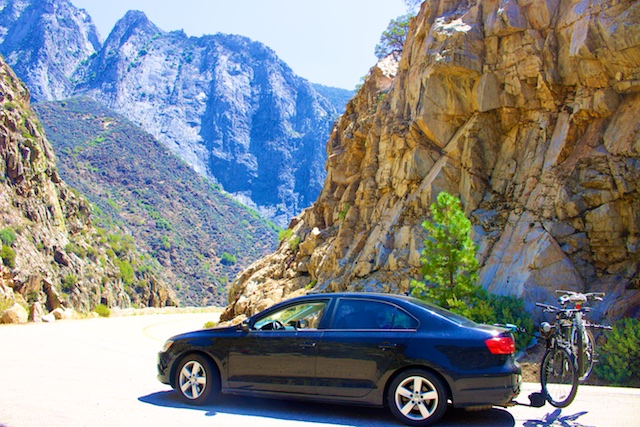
371	315
305	315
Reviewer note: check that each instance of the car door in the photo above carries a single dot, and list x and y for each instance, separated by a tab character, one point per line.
272	358
365	338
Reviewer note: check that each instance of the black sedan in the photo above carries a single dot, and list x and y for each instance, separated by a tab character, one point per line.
357	348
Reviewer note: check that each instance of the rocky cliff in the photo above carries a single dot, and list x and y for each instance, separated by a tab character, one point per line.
225	104
52	257
525	109
44	42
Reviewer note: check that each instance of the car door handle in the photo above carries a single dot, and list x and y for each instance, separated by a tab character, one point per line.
308	345
387	346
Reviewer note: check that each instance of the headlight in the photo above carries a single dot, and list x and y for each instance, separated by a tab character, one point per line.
167	345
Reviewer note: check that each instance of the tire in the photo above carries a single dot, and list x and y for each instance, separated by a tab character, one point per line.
195	379
579	349
589	355
417	398
558	377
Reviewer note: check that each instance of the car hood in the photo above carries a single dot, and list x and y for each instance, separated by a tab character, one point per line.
212	332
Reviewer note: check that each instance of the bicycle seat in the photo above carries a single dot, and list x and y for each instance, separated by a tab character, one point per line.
575	298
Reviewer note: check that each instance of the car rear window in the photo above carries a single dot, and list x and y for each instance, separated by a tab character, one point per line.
371	315
453	317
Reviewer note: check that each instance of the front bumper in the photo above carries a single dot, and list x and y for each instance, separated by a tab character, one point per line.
164	369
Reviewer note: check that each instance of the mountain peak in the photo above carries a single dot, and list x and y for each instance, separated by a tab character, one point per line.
54	34
134	20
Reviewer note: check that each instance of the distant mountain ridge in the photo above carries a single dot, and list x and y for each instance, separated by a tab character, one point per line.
201	236
225	104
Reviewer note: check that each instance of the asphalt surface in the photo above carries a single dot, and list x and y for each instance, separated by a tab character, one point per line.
101	372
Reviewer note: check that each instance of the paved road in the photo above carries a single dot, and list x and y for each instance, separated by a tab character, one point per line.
101	372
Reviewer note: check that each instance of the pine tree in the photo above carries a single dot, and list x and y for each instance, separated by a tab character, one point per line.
393	38
449	263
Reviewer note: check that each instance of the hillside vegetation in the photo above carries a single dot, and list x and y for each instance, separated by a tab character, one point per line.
201	236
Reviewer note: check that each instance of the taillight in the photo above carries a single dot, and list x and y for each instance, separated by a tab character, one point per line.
501	345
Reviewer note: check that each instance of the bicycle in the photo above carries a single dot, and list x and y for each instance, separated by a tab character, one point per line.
570	353
584	347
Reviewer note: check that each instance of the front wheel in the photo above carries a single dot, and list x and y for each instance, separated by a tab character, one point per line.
417	398
195	379
558	377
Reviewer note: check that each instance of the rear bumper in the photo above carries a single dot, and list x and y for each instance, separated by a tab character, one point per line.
494	390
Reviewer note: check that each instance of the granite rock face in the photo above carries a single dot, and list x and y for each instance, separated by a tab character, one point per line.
525	109
44	42
225	104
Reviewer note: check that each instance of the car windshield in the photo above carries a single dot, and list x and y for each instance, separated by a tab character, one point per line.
455	318
305	315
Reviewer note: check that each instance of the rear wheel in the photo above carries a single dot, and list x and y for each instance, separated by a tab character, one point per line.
195	379
589	355
417	398
558	377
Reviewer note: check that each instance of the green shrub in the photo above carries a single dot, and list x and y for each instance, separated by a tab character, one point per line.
127	273
68	282
165	243
6	303
8	236
504	309
8	256
294	242
285	234
228	259
103	310
76	249
619	361
92	253
343	213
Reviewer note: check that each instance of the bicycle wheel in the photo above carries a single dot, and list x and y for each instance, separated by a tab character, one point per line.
579	347
589	355
558	377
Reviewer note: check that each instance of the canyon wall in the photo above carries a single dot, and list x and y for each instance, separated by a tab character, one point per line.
528	111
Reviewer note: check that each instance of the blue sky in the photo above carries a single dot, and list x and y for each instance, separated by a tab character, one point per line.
325	41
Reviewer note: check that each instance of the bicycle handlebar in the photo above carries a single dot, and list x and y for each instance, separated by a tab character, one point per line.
552	308
547	307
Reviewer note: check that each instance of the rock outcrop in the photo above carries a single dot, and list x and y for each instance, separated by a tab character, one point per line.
51	252
526	110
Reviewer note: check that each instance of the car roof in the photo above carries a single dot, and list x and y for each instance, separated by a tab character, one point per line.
355	295
360	295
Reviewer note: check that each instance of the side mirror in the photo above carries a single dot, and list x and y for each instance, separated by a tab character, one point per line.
244	326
